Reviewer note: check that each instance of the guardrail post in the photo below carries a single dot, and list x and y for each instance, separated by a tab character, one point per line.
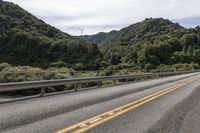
126	80
76	87
65	87
98	74
158	75
114	82
175	73
98	84
42	92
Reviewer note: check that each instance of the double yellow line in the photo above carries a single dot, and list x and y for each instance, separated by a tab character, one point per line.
99	119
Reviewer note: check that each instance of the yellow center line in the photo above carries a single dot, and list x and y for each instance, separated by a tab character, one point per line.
99	119
137	101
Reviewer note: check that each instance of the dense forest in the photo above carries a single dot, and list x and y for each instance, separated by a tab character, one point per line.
26	40
150	44
30	49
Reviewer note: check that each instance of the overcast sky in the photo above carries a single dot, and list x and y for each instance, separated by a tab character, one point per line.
105	15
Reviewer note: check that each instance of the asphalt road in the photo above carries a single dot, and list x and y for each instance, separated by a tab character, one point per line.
167	113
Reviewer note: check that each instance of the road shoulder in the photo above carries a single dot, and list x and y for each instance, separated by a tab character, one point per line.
176	117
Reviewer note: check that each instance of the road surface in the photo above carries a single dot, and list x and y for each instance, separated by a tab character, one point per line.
162	105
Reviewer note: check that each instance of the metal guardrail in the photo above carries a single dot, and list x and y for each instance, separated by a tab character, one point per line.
6	87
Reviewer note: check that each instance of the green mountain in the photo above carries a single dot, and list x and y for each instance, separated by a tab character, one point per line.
26	40
102	38
150	43
146	30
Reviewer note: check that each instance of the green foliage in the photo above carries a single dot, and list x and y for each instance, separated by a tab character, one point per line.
186	66
101	38
4	65
26	40
78	66
150	43
149	66
10	73
178	67
16	74
147	30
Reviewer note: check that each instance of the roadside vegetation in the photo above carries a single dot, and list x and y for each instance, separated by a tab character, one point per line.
10	73
32	50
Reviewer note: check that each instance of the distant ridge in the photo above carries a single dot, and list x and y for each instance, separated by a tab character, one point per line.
135	32
149	44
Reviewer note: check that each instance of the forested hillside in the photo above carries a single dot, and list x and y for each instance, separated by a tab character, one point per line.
150	43
146	30
102	38
26	40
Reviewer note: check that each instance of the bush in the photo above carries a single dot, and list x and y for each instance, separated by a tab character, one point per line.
149	66
4	65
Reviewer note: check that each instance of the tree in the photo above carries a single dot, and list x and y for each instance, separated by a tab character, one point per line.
189	41
197	56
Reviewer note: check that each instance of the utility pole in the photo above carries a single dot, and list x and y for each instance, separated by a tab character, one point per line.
81	30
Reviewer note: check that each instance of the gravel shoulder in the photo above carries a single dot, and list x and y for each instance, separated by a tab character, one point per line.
191	123
183	117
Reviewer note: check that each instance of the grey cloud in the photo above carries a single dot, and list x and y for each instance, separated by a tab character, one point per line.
189	22
90	29
105	15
